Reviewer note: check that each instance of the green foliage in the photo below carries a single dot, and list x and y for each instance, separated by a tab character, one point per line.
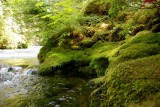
3	37
122	16
46	18
118	5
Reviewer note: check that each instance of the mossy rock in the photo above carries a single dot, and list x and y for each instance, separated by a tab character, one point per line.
143	37
143	44
144	16
129	82
66	62
96	7
51	43
138	50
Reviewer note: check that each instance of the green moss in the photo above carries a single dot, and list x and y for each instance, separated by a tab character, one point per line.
57	58
97	7
100	65
143	44
51	43
144	18
78	61
146	37
128	82
153	101
137	51
99	54
86	43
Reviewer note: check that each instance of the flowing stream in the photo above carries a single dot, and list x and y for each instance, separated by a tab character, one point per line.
20	86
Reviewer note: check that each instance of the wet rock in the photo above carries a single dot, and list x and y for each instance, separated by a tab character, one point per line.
10	69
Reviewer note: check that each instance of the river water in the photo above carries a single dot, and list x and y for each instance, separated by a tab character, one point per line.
21	86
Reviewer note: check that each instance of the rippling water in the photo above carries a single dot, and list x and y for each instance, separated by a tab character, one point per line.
20	86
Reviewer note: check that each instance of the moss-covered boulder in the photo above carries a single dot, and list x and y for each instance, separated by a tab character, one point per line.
143	44
97	7
129	82
87	62
65	61
133	72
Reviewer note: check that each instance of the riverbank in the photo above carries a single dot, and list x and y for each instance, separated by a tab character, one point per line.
121	53
21	86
